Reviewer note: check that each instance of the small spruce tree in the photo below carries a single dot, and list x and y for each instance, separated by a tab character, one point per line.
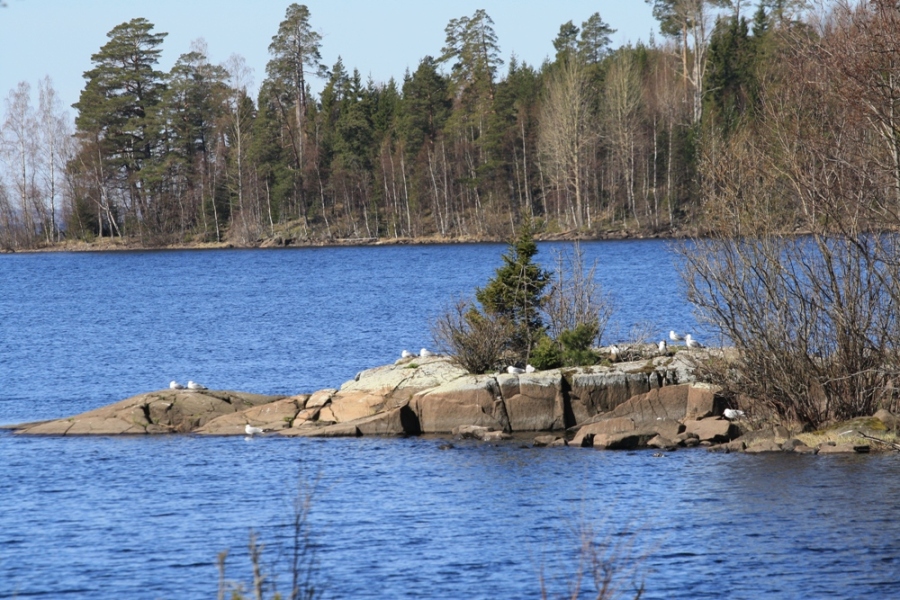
515	293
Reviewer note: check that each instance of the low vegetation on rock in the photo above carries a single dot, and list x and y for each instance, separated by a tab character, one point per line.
527	315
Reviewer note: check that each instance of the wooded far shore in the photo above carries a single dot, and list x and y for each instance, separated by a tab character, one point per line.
734	120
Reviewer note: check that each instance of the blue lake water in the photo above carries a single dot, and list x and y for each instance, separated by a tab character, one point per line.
391	518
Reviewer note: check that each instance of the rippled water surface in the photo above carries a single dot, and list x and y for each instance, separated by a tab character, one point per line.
391	518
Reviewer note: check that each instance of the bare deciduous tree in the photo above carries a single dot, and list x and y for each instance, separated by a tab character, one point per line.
568	129
622	103
576	297
814	318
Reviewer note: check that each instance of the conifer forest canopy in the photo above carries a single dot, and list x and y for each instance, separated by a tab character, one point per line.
689	132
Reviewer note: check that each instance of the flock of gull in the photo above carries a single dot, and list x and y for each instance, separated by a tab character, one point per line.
513	370
687	339
191	385
423	353
614	352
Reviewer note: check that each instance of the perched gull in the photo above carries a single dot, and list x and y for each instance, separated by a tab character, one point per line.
514	370
174	385
529	369
406	354
193	385
614	352
251	430
691	342
425	353
674	336
732	414
662	346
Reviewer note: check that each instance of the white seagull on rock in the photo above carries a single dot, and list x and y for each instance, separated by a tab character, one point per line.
731	414
514	370
674	336
406	354
251	430
662	346
529	369
425	353
193	385
691	342
174	385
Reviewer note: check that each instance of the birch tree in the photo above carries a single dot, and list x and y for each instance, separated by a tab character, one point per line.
20	150
689	21
568	129
622	101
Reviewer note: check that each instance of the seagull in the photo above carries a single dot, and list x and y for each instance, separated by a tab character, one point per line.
406	354
514	370
732	414
662	346
674	336
691	342
251	430
174	385
193	385
425	353
529	369
614	351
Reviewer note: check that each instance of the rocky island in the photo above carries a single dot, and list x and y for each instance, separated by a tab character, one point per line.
654	402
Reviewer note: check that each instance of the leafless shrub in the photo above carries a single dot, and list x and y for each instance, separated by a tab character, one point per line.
475	341
575	296
302	566
814	318
605	567
814	327
642	332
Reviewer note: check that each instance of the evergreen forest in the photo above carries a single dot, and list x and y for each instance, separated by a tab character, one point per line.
704	129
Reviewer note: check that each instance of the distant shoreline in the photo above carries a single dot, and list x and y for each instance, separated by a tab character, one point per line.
127	244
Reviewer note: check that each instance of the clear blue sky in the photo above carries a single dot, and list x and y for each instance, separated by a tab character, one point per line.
381	38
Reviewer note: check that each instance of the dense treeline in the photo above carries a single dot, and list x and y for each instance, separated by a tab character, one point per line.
465	146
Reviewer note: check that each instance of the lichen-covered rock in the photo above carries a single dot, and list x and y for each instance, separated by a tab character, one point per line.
399	382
